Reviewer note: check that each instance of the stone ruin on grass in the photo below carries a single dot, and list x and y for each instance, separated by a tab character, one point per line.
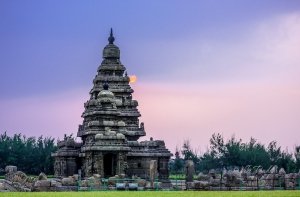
248	178
18	181
238	179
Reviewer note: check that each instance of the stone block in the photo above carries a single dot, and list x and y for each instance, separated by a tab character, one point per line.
120	186
122	176
42	176
141	182
132	186
203	177
68	182
10	169
190	185
54	183
112	181
2	186
282	171
84	189
19	177
97	176
215	182
120	136
84	183
93	182
75	177
24	189
42	183
201	185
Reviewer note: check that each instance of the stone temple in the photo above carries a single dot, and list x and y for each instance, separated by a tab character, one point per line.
111	129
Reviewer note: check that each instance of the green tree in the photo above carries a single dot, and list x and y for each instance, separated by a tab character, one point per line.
28	154
236	153
189	154
178	163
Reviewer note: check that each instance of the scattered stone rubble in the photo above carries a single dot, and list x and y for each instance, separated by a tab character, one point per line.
19	181
237	179
245	178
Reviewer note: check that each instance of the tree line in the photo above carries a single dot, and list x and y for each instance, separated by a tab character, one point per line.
31	155
236	153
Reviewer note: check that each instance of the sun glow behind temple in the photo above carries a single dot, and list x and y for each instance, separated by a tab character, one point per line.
132	78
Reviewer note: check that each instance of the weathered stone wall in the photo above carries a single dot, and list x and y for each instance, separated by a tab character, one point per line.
65	166
139	166
163	168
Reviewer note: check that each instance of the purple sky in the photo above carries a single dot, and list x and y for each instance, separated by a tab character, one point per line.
203	66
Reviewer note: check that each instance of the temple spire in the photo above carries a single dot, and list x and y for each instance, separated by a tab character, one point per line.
111	37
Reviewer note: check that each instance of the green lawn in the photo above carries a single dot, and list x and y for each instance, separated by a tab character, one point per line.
158	193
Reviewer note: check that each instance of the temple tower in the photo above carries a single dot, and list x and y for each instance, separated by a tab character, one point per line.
111	129
114	73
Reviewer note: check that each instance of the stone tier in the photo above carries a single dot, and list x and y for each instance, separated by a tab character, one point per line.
148	154
95	113
68	143
111	51
66	153
93	103
99	79
126	133
114	90
111	67
155	148
105	148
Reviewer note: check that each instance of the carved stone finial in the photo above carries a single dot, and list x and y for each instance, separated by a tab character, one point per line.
111	37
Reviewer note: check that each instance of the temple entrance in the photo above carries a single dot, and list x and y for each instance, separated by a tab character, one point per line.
109	161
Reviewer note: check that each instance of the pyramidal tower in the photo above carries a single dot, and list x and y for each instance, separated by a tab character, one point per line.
111	129
112	72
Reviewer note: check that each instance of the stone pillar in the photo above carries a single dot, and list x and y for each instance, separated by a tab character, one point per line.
189	171
57	167
88	164
63	165
98	163
153	171
121	163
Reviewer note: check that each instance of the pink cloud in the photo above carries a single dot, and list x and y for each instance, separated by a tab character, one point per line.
178	112
175	112
47	115
257	93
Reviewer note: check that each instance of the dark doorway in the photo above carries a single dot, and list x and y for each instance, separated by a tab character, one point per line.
109	164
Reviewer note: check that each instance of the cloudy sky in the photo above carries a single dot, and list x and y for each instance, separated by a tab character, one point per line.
203	67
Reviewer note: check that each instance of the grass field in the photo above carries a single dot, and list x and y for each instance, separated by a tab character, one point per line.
156	193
